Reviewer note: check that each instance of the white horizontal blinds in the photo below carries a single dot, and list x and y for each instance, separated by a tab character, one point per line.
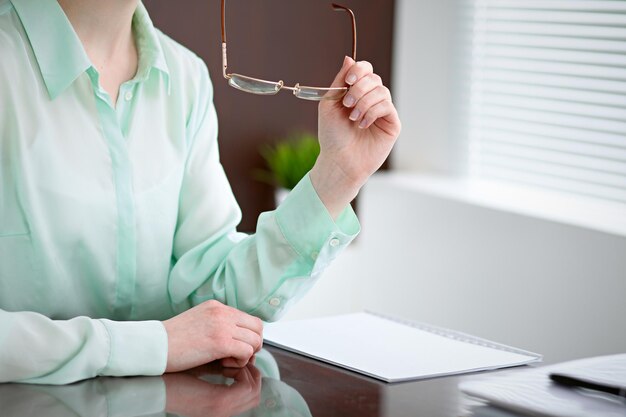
548	94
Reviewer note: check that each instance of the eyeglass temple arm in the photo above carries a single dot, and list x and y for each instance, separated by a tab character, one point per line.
224	58
340	8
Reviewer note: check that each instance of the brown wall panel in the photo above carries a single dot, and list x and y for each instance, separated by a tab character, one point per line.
293	40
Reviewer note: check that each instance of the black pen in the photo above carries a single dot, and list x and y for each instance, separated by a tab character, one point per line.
574	382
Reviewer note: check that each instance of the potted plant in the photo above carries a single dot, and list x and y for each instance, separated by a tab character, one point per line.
288	161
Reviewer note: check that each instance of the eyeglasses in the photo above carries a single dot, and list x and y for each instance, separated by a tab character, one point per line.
264	87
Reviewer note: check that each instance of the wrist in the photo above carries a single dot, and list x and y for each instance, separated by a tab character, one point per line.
335	188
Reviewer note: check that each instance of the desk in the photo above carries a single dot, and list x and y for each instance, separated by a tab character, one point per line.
280	384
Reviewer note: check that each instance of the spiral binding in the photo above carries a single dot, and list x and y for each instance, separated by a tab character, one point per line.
455	335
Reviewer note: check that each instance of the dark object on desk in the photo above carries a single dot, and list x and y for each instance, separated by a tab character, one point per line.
578	382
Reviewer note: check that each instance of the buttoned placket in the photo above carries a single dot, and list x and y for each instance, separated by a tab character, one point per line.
124	105
114	122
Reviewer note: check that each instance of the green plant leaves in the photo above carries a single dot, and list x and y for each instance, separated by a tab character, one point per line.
289	160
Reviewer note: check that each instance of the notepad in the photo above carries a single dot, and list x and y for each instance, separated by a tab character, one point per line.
391	349
532	391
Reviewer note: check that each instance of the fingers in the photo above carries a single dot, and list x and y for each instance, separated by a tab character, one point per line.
351	72
379	111
340	78
377	94
358	71
239	354
232	363
254	325
368	98
249	328
249	322
253	342
250	337
364	86
228	363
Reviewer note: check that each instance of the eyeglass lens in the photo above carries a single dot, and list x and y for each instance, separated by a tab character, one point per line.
254	85
314	93
257	86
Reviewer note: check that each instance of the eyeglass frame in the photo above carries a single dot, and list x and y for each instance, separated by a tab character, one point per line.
280	84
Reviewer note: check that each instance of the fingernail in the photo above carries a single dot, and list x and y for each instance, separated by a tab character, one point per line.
350	79
355	115
363	124
348	100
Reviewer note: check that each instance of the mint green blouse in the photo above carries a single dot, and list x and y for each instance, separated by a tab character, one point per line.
114	218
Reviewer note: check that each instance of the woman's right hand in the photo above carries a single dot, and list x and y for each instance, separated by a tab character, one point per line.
212	331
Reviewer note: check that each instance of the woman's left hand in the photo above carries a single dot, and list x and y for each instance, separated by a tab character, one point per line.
356	135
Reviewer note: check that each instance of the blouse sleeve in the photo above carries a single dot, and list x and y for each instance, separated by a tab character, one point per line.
262	273
36	349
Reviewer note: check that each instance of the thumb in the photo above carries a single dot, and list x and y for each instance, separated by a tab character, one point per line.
340	78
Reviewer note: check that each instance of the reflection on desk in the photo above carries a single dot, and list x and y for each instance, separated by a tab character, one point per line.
280	383
206	391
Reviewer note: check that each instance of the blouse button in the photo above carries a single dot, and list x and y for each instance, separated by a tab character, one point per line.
275	302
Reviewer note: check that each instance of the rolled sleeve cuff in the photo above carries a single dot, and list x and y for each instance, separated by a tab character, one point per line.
136	348
309	228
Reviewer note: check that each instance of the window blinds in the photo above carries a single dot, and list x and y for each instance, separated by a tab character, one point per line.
548	94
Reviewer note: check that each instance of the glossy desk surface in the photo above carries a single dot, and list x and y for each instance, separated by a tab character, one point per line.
280	384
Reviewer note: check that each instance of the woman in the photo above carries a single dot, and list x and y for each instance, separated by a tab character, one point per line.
118	249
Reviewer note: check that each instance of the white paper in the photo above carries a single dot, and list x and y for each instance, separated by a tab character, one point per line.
391	350
533	391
